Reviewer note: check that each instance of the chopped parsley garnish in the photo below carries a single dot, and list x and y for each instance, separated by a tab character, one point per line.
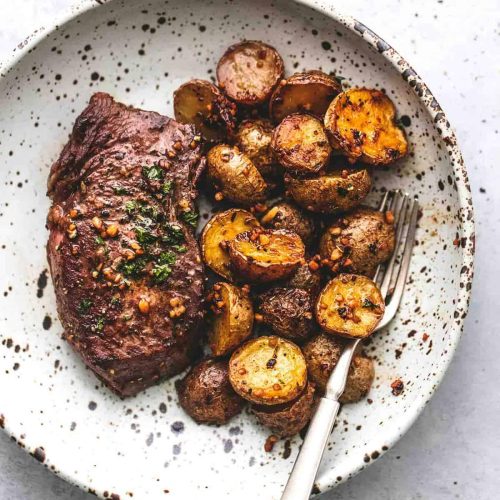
133	268
179	248
368	303
115	301
160	273
173	234
153	172
342	191
121	190
99	240
99	324
131	207
144	236
84	306
190	217
149	211
166	187
166	258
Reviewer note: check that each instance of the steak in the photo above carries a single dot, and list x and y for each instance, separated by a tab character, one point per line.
124	261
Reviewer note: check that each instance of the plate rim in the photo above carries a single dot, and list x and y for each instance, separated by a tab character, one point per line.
441	124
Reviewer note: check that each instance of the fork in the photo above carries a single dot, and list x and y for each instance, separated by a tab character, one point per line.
391	279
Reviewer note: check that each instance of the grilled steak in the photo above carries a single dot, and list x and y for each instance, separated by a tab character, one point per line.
125	264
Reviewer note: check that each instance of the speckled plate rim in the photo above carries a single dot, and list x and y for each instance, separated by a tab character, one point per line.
441	124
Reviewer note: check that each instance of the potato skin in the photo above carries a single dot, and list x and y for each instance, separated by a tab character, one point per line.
234	174
361	123
261	256
288	419
249	71
336	191
300	144
365	239
350	305
253	138
206	395
268	370
307	92
201	103
359	379
289	313
305	279
290	217
233	318
221	228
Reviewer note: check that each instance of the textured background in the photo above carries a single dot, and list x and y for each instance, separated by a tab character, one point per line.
453	449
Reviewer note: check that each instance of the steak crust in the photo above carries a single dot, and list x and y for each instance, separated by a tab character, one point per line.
124	261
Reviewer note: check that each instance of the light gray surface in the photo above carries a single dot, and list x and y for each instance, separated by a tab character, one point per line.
452	451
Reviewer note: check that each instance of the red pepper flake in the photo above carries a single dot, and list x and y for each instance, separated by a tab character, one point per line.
270	442
397	387
425	336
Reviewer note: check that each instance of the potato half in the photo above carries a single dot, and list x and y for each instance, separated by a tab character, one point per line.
249	71
350	305
359	241
253	137
261	256
201	103
235	176
336	191
361	123
221	229
300	144
309	92
268	370
233	318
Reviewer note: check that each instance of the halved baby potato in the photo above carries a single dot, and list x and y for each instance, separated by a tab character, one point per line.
249	71
300	144
221	229
336	191
350	305
233	318
201	103
261	256
235	176
268	370
361	123
253	137
307	92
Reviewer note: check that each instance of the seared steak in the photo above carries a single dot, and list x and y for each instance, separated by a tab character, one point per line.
125	264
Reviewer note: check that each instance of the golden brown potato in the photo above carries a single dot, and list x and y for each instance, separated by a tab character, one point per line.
221	229
268	370
308	92
300	144
361	123
249	71
305	279
287	419
359	379
287	216
201	103
233	318
261	256
336	191
235	176
206	395
359	241
350	305
254	139
289	312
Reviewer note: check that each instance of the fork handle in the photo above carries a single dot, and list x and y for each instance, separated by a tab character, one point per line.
306	466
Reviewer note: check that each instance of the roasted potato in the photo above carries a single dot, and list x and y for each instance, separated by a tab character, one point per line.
290	418
233	318
308	92
206	395
201	103
292	218
322	354
335	191
268	370
221	229
361	123
261	256
305	279
350	305
300	144
235	176
249	71
359	241
253	137
289	312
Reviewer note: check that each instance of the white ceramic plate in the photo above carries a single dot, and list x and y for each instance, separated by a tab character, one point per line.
140	52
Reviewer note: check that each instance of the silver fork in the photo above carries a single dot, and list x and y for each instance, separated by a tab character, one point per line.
391	279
